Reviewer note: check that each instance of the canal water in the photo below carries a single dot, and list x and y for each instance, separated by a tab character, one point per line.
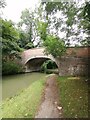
13	84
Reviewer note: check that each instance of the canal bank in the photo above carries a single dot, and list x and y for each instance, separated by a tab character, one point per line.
25	103
12	84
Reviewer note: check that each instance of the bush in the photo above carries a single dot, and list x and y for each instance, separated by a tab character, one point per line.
49	64
44	67
11	67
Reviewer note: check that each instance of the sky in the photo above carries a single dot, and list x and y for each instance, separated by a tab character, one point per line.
13	9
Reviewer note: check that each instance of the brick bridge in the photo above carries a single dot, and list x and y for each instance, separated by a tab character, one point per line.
74	62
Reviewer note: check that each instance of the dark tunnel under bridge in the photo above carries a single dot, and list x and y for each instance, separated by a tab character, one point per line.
35	64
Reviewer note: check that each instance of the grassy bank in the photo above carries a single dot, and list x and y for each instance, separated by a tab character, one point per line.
25	104
73	97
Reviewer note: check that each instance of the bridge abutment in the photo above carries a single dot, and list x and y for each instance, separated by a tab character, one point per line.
73	66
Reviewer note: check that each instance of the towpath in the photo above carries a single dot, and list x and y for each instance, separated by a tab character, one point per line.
50	108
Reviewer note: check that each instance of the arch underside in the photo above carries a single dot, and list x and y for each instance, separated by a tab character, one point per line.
34	64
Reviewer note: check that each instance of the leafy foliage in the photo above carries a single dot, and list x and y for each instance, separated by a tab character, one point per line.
86	23
42	29
70	20
27	36
87	11
24	41
10	48
11	67
55	46
9	38
48	64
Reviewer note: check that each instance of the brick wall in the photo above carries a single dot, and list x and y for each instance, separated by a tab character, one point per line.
75	62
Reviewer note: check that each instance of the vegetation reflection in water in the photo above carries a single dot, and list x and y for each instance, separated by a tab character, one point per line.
13	84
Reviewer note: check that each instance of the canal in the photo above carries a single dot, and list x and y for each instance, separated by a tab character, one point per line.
13	84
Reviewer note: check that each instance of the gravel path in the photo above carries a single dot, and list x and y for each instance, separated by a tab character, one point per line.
49	107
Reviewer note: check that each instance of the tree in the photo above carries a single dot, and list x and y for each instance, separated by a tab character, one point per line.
54	46
9	37
69	22
87	11
23	41
27	19
2	3
42	30
52	43
85	22
10	48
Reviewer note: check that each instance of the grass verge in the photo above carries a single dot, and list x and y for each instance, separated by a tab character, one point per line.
73	94
25	104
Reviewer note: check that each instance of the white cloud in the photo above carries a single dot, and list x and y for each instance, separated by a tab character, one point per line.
15	7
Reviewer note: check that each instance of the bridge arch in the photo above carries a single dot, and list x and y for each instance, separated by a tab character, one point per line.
34	58
35	63
41	57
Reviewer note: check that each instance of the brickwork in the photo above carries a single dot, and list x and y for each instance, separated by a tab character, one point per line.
75	61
